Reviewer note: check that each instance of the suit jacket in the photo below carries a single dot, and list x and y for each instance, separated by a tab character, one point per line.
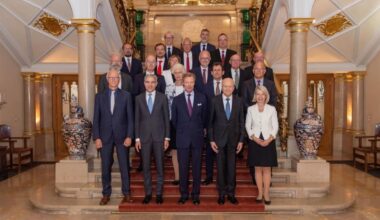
153	126
249	87
216	57
199	86
139	86
268	72
266	124
196	49
194	57
175	51
189	128
126	83
113	128
244	76
225	131
136	68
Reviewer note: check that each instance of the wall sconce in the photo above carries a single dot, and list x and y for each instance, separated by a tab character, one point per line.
2	99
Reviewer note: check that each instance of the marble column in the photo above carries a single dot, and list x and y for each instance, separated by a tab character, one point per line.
298	28
29	107
339	114
45	138
358	103
86	77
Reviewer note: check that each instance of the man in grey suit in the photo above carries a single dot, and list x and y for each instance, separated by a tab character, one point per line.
226	134
152	128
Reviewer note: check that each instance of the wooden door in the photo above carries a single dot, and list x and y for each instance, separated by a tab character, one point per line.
325	147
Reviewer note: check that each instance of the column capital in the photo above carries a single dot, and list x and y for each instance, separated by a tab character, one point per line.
85	25
358	75
28	75
299	24
339	75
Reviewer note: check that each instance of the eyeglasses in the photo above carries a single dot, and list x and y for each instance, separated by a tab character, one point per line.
113	78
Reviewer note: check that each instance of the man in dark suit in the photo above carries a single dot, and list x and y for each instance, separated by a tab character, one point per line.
131	66
212	89
189	111
150	65
125	82
222	54
113	126
226	134
203	72
152	131
259	57
188	58
169	48
162	62
238	75
249	86
204	44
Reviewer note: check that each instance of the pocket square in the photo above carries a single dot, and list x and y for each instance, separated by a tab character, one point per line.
199	104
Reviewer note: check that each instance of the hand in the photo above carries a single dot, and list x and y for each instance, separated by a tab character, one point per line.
214	147
127	142
138	146
98	143
166	145
265	143
239	147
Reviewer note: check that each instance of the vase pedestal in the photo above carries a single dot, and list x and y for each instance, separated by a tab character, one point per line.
73	170
311	170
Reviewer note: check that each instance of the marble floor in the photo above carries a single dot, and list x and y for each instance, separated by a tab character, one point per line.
14	202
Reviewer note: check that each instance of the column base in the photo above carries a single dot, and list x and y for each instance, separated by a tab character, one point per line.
317	170
70	170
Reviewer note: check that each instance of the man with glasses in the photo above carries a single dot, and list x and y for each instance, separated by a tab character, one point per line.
169	48
113	127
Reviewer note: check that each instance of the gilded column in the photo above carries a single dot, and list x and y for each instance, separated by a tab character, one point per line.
29	104
358	103
86	78
339	110
298	28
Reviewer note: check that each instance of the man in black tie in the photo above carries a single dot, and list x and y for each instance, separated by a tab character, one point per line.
169	48
222	54
152	128
204	44
226	134
131	66
259	57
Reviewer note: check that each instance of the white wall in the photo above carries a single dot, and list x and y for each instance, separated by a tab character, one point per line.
12	86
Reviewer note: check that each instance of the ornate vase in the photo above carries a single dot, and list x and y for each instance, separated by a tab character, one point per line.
308	131
76	132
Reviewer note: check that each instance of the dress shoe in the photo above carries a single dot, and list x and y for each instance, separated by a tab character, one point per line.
175	182
127	199
147	199
221	200
233	200
182	200
267	202
207	181
159	199
196	200
259	200
104	200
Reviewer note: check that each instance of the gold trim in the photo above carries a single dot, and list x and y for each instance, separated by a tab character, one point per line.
50	24
358	75
28	76
339	75
299	24
333	25
191	2
85	22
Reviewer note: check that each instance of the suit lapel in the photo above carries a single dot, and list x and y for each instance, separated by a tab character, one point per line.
185	103
145	103
155	102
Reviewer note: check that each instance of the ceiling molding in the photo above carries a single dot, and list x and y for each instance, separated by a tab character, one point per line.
61	68
322	68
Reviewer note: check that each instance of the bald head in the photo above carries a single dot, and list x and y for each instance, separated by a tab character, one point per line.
115	59
150	63
228	86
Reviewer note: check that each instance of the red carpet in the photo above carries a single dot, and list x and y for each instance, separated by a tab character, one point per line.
246	193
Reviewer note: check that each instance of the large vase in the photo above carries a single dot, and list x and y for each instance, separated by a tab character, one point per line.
76	132
308	131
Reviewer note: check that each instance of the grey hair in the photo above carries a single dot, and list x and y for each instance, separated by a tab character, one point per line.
178	66
114	67
150	76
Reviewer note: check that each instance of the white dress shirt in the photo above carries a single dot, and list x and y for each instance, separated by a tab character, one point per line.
167	74
264	122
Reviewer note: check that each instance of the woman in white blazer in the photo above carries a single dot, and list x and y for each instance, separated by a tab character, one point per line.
262	127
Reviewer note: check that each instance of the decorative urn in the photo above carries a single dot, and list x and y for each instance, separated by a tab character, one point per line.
76	132
308	131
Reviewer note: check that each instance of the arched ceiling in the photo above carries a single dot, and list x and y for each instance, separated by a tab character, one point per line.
351	48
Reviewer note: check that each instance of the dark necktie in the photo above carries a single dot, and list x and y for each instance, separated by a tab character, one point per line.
169	52
217	90
203	47
187	62
189	106
204	76
258	82
223	57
